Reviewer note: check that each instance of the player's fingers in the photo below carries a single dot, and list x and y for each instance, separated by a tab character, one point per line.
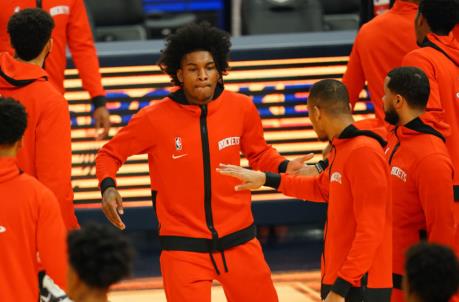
246	186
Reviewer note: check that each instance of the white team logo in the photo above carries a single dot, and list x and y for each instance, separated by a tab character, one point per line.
396	171
2	229
227	142
59	10
178	144
336	177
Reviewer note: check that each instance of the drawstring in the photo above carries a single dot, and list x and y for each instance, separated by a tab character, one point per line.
214	263
224	261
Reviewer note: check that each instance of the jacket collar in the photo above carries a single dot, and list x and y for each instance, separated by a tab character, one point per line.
8	169
352	131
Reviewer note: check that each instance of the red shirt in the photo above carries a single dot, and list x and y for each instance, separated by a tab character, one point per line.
46	153
30	222
71	29
378	48
358	232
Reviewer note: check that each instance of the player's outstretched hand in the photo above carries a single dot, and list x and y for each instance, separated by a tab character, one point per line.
251	179
294	166
102	121
112	205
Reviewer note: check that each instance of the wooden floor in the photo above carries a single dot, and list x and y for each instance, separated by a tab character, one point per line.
291	287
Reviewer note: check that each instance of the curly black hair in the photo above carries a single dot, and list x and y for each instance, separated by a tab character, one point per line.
432	272
100	255
30	29
194	37
441	15
13	121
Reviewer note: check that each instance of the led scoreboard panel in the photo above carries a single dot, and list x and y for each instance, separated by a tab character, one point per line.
278	86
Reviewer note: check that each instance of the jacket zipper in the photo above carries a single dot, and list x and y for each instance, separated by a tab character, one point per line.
207	178
326	215
395	148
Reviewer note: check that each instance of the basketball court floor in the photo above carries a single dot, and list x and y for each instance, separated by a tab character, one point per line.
291	287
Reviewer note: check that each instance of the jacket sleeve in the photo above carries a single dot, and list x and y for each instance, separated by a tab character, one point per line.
51	239
434	180
310	188
368	178
260	155
54	156
81	45
354	77
415	59
134	138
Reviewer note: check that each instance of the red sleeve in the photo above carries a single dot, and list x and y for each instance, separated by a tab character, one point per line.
434	180
81	44
261	156
368	178
310	188
130	140
54	156
354	78
416	59
51	239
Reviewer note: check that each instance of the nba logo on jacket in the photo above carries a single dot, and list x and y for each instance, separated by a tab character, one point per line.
336	177
178	143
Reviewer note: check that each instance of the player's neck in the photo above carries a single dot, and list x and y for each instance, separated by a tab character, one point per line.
91	296
37	61
338	125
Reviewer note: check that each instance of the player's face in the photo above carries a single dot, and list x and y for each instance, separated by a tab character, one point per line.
199	76
391	115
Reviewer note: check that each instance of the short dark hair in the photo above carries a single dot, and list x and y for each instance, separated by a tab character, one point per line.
13	121
412	84
99	254
331	95
432	272
441	15
30	29
195	37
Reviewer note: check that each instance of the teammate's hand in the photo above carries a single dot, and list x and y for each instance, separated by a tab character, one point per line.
102	121
251	179
298	163
334	297
112	205
307	170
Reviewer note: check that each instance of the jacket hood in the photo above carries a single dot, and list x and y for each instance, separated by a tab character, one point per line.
14	74
428	123
8	169
361	129
447	45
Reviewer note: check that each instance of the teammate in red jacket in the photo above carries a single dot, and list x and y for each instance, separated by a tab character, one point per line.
438	57
357	256
206	229
46	152
421	169
72	30
30	220
379	47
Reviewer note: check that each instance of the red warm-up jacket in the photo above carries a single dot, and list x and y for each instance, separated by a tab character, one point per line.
46	153
185	144
439	59
379	47
421	178
71	29
358	231
30	222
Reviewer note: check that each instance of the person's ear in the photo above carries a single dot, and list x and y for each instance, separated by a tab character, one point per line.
399	101
317	112
180	75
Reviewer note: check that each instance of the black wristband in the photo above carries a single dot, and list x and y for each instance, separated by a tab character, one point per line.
98	101
283	166
341	287
107	183
273	180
